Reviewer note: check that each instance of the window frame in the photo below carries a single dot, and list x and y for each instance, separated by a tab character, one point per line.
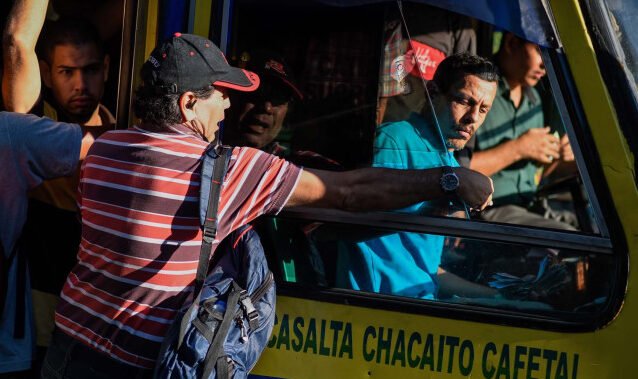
572	115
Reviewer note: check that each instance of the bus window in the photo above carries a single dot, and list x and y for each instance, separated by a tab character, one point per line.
332	67
541	248
516	276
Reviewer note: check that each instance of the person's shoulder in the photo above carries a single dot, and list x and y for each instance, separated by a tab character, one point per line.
394	128
534	96
106	116
26	124
250	158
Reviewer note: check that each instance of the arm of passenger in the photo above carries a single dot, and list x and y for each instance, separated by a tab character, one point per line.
385	189
489	162
451	285
21	77
536	144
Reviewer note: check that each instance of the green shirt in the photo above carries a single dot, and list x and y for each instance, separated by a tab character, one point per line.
516	183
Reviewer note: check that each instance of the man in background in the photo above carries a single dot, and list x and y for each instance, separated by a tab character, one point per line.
514	142
258	118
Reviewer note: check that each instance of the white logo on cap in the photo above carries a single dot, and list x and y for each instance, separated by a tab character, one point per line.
154	61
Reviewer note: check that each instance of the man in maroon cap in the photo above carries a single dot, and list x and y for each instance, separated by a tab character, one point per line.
140	214
257	117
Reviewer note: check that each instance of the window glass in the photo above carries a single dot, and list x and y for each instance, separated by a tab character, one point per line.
354	94
338	95
539	279
623	14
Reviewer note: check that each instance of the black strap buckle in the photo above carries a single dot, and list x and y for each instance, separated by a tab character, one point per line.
249	310
209	234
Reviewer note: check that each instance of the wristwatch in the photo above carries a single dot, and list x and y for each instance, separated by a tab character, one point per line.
449	180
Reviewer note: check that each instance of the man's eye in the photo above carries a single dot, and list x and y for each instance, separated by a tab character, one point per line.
484	109
462	101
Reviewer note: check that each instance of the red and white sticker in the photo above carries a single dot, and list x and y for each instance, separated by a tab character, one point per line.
427	59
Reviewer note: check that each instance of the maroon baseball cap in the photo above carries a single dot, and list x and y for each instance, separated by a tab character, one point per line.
187	62
271	64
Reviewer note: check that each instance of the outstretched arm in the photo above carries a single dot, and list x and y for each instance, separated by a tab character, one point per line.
21	77
385	189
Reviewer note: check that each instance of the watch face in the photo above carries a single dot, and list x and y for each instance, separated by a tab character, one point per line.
449	182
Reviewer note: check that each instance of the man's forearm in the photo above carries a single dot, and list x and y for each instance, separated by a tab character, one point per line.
21	76
366	188
489	162
387	189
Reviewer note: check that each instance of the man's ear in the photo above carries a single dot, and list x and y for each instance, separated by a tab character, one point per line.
186	104
107	62
45	72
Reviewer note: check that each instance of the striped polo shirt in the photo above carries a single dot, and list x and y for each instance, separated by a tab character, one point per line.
139	201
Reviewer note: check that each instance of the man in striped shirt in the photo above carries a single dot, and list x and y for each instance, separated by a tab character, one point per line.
139	204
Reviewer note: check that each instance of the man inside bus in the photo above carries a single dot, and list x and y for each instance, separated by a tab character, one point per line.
403	263
257	118
73	65
514	141
180	106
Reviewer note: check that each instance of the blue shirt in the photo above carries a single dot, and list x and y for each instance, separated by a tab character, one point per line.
31	149
403	264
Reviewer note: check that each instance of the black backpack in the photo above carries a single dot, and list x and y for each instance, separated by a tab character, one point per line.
225	330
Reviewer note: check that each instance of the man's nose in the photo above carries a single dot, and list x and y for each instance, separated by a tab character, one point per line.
80	81
472	114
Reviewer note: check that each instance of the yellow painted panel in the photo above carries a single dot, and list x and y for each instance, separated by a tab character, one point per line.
202	17
321	340
151	26
616	158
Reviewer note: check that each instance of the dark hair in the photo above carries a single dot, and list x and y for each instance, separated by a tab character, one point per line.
161	109
66	30
455	67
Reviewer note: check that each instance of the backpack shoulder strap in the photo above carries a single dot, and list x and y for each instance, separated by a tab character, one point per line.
212	176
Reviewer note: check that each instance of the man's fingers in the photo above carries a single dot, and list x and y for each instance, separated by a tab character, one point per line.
488	202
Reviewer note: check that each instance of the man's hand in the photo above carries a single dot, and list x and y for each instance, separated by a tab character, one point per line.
539	145
566	153
475	189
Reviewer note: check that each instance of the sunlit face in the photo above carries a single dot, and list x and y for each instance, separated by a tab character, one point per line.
529	63
210	111
462	110
76	76
260	115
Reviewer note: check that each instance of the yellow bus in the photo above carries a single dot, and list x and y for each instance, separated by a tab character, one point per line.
585	327
339	53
